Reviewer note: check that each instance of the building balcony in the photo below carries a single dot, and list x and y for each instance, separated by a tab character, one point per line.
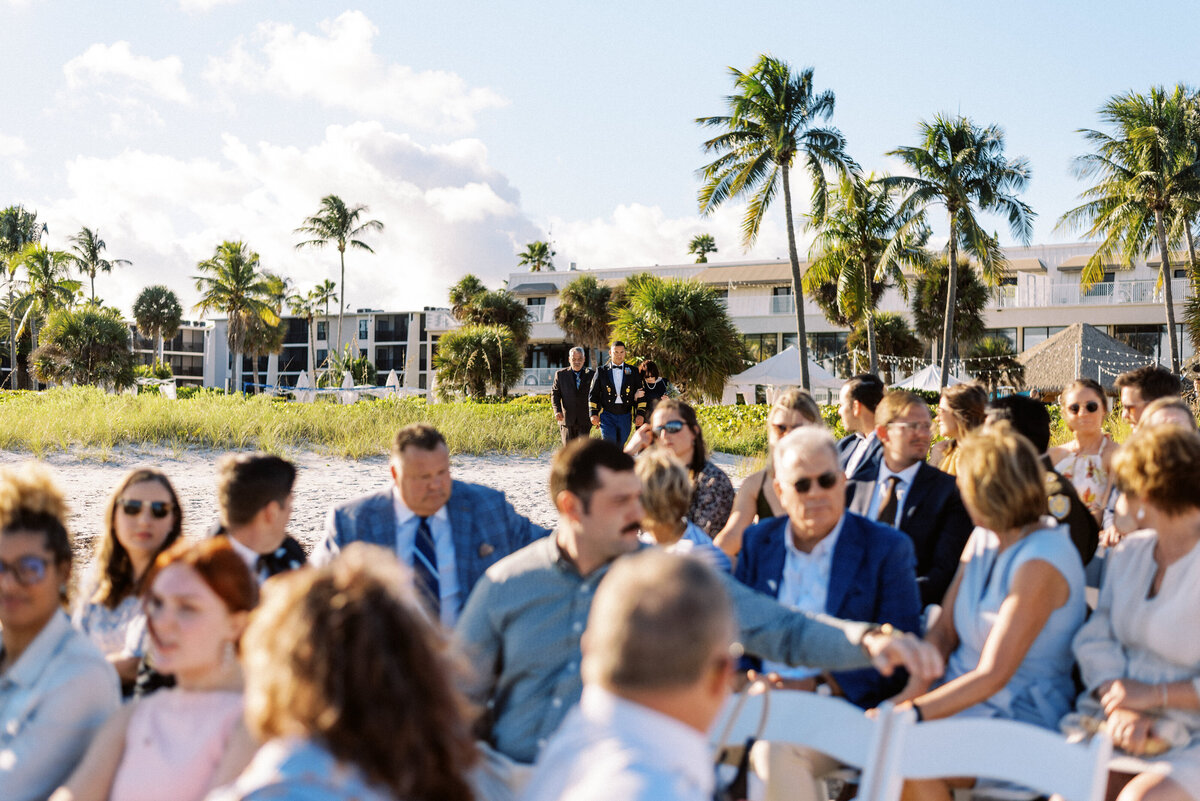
1108	293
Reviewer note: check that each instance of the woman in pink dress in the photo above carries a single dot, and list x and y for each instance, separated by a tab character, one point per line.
182	742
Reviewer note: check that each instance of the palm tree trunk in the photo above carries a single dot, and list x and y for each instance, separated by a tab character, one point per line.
92	276
312	352
1168	301
951	291
869	318
797	289
1194	272
160	345
341	301
12	341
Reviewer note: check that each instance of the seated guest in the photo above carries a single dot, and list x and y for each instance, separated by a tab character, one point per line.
143	518
383	723
656	671
448	531
960	410
674	426
1015	605
254	496
860	450
182	742
666	494
819	558
1168	411
756	500
1085	460
1143	385
908	494
1139	653
56	688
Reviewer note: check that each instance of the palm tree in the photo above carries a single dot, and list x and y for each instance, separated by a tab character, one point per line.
338	224
470	358
771	122
18	228
86	256
583	312
865	242
157	313
701	245
929	298
500	307
306	307
1144	167
49	288
993	362
264	337
537	256
893	337
962	167
463	295
88	345
230	283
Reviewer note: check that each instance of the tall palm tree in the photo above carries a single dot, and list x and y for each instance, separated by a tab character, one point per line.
264	337
157	313
231	283
306	307
962	167
1145	166
772	122
537	256
583	312
18	228
928	293
865	241
700	246
463	295
85	254
340	225
49	288
893	337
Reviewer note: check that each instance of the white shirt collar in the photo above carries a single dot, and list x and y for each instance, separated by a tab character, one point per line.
248	554
822	548
905	476
37	655
404	514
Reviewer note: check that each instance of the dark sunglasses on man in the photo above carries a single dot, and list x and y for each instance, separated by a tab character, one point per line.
825	481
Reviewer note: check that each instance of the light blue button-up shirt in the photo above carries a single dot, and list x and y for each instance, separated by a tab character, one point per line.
407	523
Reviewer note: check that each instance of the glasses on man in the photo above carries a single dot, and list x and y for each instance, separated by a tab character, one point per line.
825	481
158	509
28	570
913	428
669	427
1091	406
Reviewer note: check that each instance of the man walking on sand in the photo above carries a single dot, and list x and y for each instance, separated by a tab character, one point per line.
569	397
613	398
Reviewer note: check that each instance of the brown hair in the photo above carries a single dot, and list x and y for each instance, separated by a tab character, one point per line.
30	501
684	410
798	400
666	488
896	403
218	566
1155	465
1001	477
574	467
1089	384
649	369
417	435
246	482
968	405
1152	381
1170	402
117	581
343	653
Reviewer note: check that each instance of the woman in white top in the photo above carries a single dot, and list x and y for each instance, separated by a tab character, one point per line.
1085	461
1139	653
56	689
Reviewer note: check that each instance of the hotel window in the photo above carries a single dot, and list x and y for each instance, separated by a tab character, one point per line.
761	346
322	330
364	328
1036	334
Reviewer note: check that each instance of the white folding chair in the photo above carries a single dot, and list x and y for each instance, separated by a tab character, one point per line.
1001	750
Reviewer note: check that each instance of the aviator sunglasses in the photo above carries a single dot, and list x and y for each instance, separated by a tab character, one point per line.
158	509
824	481
1091	406
671	427
28	570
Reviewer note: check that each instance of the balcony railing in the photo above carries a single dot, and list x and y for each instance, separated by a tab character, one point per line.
537	379
1104	293
537	314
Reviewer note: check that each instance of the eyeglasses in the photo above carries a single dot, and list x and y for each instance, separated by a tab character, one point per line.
158	509
781	429
671	427
824	481
28	570
1091	406
913	428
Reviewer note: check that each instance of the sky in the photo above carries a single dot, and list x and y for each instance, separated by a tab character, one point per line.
471	129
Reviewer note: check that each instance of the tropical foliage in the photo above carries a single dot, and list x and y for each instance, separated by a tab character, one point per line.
701	245
475	305
86	254
929	300
993	362
463	294
583	312
893	337
475	357
537	256
47	286
231	283
157	313
772	122
87	345
18	229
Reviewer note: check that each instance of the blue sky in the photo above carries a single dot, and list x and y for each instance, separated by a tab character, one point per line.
473	128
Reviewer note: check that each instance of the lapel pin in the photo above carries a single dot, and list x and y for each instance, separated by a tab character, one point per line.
486	550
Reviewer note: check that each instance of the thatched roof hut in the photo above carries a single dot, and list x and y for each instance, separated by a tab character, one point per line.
1078	351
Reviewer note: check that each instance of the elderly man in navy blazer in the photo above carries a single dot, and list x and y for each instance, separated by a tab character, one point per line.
450	532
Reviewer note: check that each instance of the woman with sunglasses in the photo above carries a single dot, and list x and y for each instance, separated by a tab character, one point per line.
182	742
756	500
143	518
56	689
961	409
1085	461
674	426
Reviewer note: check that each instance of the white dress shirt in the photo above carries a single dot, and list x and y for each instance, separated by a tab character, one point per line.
903	485
860	452
443	543
609	747
805	586
618	379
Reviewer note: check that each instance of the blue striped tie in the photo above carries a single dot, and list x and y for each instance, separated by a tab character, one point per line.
425	566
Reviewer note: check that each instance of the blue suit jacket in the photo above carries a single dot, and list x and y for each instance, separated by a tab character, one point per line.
484	525
868	468
872	578
936	520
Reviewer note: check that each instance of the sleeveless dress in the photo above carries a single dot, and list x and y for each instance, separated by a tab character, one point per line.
949	462
1086	472
1041	690
108	628
174	743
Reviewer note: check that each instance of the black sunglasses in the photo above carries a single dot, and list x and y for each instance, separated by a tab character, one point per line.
824	481
1091	406
28	570
671	427
158	509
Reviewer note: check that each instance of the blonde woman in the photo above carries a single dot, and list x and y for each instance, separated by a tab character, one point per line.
1085	460
961	409
666	495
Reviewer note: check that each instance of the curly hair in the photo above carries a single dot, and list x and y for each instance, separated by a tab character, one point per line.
117	581
666	488
30	500
1154	464
343	654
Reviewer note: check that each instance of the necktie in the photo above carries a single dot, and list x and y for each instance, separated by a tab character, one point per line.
889	503
576	379
425	566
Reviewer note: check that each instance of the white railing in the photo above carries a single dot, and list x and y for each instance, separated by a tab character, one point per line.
537	378
1104	293
537	314
783	304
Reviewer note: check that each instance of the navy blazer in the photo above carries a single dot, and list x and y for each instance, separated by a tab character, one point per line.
868	468
873	578
484	525
936	520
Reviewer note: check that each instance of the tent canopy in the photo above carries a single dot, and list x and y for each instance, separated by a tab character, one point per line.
1079	351
929	379
783	370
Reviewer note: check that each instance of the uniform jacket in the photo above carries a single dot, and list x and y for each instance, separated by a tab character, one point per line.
573	403
604	394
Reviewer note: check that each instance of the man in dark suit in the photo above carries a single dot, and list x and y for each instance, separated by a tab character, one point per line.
908	494
254	496
860	450
450	532
569	397
613	401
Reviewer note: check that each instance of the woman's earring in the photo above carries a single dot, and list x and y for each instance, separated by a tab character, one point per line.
1141	515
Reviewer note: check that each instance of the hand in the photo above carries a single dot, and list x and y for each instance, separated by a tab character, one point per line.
641	393
889	651
595	418
1130	695
639	420
1129	730
559	416
1110	536
643	436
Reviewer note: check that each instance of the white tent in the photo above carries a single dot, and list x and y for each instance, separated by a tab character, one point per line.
392	385
780	371
929	379
304	391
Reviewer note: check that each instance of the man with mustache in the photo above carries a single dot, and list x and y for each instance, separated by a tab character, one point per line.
522	625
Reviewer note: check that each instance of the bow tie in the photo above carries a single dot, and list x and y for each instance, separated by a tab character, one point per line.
288	556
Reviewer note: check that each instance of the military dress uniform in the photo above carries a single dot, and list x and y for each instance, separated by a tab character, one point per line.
615	407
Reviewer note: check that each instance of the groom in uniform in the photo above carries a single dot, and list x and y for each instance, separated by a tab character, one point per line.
612	398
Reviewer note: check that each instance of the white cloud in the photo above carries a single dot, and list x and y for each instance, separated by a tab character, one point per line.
469	203
105	65
339	68
11	146
203	6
